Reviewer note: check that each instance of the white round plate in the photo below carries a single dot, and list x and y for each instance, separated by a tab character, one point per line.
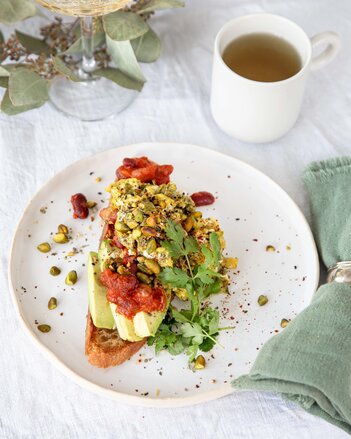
253	211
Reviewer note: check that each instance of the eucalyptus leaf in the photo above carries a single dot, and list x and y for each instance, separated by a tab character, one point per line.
32	44
147	48
157	5
27	88
16	10
76	47
123	26
119	78
123	56
8	108
61	67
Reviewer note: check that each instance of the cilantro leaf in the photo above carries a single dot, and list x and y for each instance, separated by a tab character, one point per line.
174	276
181	316
216	248
193	330
191	351
208	256
191	245
175	232
174	249
214	288
207	345
177	347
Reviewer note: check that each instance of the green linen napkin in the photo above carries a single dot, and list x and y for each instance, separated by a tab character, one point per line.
309	362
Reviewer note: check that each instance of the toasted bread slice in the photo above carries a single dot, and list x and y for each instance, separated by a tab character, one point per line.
105	348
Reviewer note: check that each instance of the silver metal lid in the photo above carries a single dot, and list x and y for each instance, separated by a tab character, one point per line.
340	272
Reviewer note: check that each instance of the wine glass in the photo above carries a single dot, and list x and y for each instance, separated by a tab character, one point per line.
93	98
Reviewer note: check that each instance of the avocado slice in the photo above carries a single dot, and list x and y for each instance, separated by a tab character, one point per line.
124	325
100	310
146	324
105	253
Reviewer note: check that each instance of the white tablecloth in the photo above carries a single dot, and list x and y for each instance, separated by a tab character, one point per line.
38	401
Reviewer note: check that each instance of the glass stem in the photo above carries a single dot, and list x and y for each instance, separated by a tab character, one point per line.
88	60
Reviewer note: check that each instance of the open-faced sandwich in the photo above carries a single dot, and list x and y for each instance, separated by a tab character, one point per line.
156	248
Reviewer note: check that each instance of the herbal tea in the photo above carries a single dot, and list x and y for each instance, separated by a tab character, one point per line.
262	57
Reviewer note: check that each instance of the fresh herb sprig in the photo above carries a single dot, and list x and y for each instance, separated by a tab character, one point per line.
200	281
194	329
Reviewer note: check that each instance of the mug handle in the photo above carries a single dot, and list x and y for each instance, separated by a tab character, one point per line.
333	45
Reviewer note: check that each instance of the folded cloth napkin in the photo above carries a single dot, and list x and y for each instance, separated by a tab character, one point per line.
309	362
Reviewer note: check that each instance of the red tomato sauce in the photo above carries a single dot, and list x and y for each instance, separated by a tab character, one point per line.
144	170
130	296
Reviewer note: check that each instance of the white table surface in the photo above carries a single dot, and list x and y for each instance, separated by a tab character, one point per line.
38	401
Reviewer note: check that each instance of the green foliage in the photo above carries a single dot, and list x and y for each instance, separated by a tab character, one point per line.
16	10
147	48
178	333
119	78
124	58
32	44
27	88
124	26
125	35
157	5
61	67
194	329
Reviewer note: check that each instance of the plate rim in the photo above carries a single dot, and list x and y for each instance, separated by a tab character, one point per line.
136	400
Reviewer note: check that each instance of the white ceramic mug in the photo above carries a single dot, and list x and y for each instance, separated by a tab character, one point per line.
264	111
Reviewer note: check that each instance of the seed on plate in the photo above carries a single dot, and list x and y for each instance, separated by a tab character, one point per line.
60	238
52	304
270	248
62	229
91	204
44	328
98	179
262	300
71	278
54	271
44	247
71	253
200	363
284	323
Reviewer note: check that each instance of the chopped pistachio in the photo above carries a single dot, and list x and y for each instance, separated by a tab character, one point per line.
60	238
44	328
44	247
151	221
62	229
54	271
188	223
71	278
151	246
98	179
91	204
262	300
200	363
144	268
284	323
144	278
52	304
148	231
121	227
270	248
153	266
230	262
